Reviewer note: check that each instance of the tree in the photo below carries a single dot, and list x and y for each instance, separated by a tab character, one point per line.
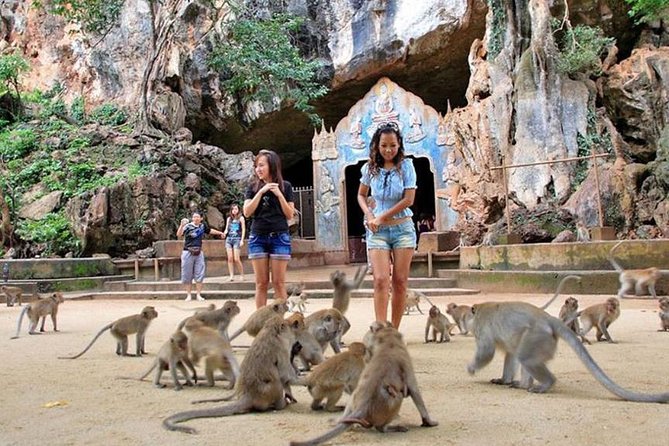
11	67
649	10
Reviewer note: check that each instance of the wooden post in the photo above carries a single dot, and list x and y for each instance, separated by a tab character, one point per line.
599	194
136	269
506	199
156	271
429	264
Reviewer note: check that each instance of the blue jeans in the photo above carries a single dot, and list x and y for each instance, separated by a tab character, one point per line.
232	242
275	245
398	236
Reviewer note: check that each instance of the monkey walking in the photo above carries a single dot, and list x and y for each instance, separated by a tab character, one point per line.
439	324
41	308
121	328
387	379
413	299
13	294
462	315
217	319
528	336
257	320
634	278
298	301
264	381
600	316
664	313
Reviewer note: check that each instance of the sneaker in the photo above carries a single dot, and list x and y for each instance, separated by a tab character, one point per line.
200	298
188	298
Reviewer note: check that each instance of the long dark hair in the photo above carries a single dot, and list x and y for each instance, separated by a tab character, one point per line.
375	159
239	211
274	163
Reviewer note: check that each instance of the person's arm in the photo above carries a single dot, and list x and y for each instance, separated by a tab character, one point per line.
242	222
182	225
227	226
287	207
363	191
406	201
251	204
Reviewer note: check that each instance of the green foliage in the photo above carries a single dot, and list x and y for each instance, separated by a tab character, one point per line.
591	141
137	169
259	60
580	49
108	114
11	67
497	28
645	11
54	230
17	143
95	16
77	110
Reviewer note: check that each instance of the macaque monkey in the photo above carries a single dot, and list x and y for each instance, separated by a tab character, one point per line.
462	315
368	338
582	232
13	294
529	335
173	355
569	315
343	287
40	309
664	314
336	375
600	316
299	302
206	342
295	289
216	319
121	328
559	289
310	351
386	380
635	278
257	320
413	299
327	327
440	324
264	381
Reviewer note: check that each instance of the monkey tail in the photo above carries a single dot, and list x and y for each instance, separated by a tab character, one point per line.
423	296
18	324
612	259
105	328
155	364
227	397
570	338
170	423
329	435
559	289
237	333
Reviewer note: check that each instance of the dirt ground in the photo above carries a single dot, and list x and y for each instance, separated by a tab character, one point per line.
97	408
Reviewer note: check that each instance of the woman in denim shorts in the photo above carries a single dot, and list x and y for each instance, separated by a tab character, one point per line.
391	178
235	231
270	201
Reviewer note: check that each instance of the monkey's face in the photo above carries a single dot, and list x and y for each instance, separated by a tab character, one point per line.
231	308
434	312
571	303
337	277
450	307
612	305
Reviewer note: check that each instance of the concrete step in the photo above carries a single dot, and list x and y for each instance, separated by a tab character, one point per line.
592	281
217	284
243	294
69	283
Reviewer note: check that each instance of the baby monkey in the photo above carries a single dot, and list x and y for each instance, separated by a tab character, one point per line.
173	355
439	324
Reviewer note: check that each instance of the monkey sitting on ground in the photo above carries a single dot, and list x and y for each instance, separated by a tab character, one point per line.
173	355
327	326
634	278
216	319
462	315
386	380
336	375
206	342
582	232
40	309
664	313
257	320
298	301
600	316
121	328
310	351
264	381
529	335
569	315
440	324
13	294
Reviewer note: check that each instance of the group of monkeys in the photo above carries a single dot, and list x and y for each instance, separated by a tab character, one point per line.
377	372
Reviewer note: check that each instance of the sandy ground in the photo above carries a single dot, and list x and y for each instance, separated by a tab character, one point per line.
98	408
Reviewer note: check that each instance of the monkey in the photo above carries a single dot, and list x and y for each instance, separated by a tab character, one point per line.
299	301
255	322
637	278
413	299
385	381
310	352
529	335
295	289
217	319
121	328
368	338
664	313
13	294
343	287
569	315
336	375
327	326
206	342
559	289
582	232
173	355
439	323
600	316
264	380
462	315
40	309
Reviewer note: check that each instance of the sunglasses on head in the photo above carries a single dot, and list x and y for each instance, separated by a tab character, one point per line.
388	125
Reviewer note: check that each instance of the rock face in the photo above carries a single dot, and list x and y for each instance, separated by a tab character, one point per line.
38	209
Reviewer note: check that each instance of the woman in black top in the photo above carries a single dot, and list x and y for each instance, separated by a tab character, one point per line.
269	200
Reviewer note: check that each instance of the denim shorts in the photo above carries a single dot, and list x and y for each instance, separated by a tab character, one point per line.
233	242
398	236
275	245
